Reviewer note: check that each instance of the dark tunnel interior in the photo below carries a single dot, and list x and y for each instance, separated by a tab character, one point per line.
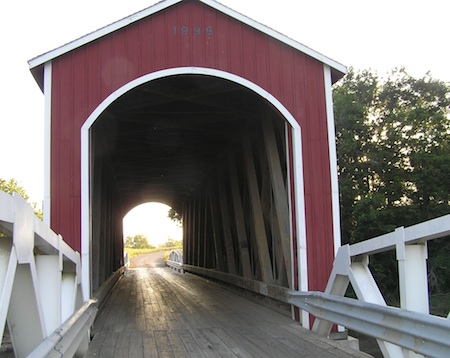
161	141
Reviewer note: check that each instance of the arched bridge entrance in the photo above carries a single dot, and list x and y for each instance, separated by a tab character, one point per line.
192	104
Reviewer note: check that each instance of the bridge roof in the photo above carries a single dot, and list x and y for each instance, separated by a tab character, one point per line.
36	64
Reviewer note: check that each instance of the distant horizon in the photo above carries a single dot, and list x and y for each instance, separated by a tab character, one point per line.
150	219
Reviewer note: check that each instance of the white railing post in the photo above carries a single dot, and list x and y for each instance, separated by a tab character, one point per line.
337	285
40	284
412	274
412	270
49	278
175	261
351	265
7	272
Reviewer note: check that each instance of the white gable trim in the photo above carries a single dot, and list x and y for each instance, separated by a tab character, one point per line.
40	60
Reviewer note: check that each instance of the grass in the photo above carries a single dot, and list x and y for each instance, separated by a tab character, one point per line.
440	304
136	252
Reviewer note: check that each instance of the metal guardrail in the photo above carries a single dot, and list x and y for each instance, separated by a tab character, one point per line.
67	340
418	332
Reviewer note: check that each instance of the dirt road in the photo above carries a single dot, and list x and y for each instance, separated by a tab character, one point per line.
154	259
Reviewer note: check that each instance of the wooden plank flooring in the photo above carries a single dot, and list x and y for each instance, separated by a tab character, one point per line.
156	312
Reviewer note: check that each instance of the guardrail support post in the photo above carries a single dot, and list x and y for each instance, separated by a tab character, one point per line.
413	277
412	268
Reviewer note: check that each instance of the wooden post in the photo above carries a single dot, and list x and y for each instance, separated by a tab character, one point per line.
204	240
226	230
239	220
221	265
279	274
257	215
196	230
187	224
185	231
279	192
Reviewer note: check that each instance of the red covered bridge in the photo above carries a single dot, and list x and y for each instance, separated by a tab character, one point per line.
194	105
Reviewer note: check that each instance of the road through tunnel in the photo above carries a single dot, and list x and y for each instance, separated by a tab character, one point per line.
215	151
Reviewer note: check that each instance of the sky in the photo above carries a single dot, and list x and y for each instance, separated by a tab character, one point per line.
157	227
362	34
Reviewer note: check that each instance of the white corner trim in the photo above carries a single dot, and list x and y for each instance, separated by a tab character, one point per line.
297	160
299	194
333	158
47	140
86	261
39	60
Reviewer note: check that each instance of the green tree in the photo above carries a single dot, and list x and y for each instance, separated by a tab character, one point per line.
393	145
393	140
354	100
413	133
172	243
174	216
137	242
12	186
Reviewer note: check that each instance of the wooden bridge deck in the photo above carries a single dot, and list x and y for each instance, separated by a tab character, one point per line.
156	312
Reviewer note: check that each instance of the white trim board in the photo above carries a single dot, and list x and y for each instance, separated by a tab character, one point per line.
333	159
297	159
47	140
48	56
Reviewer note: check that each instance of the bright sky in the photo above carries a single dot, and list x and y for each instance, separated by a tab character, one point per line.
364	34
151	220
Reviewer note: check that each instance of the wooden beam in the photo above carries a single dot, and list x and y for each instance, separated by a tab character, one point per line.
239	220
185	216
265	263
217	248
189	242
197	229
204	240
226	221
279	191
282	277
263	288
270	218
202	232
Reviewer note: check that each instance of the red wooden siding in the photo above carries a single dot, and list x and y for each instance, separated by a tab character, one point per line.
179	37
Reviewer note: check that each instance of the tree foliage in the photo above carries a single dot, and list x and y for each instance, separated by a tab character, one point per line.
393	145
393	141
137	242
12	186
174	216
170	243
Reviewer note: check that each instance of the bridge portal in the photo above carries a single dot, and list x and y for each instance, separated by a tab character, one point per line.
194	105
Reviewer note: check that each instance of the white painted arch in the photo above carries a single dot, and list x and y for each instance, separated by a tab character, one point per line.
297	160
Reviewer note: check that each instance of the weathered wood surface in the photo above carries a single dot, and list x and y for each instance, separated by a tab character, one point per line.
155	312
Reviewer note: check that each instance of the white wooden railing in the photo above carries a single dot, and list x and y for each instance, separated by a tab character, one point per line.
399	331
175	261
40	286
